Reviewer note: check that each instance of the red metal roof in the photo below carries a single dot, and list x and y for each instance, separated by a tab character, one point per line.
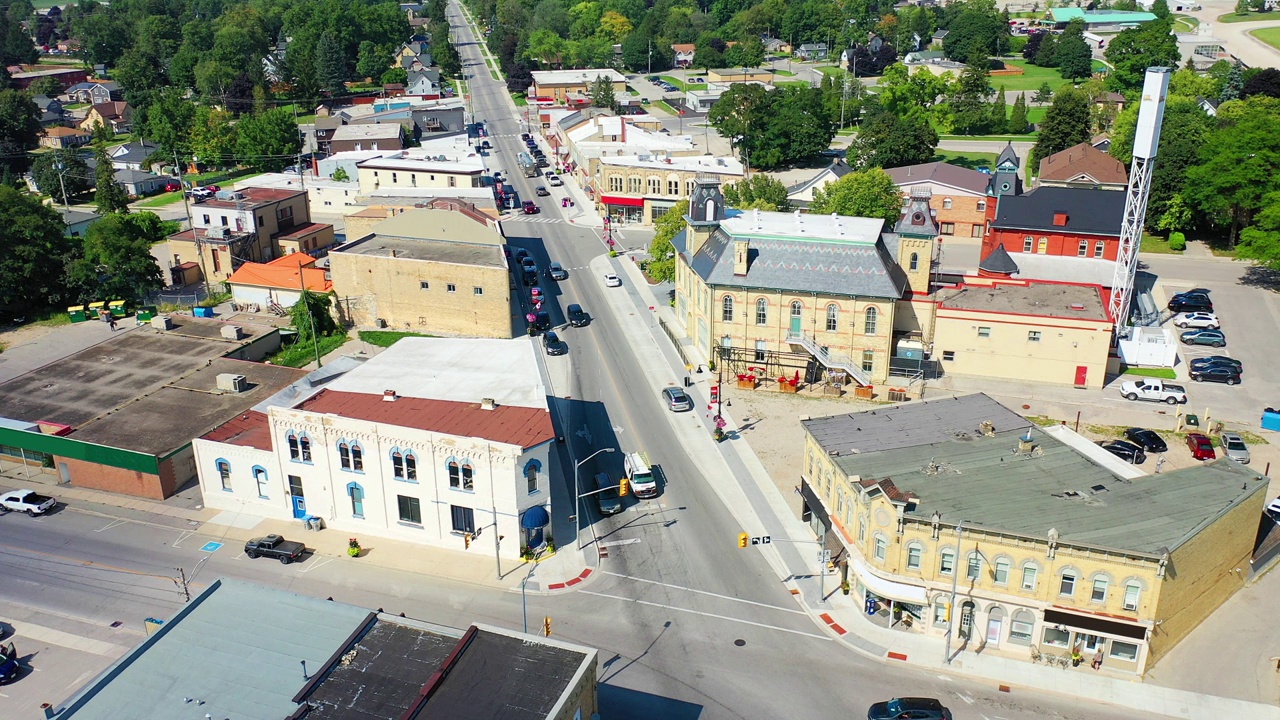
248	429
526	427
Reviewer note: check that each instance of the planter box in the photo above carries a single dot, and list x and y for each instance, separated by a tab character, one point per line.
787	387
747	384
832	390
864	393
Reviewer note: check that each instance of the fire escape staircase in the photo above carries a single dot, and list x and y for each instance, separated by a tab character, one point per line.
828	359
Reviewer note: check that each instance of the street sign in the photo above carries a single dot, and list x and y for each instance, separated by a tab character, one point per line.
824	556
761	540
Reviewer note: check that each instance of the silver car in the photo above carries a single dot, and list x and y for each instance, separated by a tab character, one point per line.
677	400
1233	447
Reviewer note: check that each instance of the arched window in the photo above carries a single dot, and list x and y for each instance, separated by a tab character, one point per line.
633	184
1098	591
655	185
1002	571
1028	244
726	308
410	467
356	493
762	312
915	261
797	308
833	317
1132	592
869	321
1067	583
974	569
1083	249
531	470
304	444
344	455
946	203
260	476
966	618
1029	574
468	482
947	561
1099	248
294	453
1021	627
357	457
455	475
224	474
397	464
915	556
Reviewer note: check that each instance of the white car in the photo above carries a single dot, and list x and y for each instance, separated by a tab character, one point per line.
1196	320
612	280
27	501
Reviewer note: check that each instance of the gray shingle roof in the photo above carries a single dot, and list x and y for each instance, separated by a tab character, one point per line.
1089	211
942	173
910	424
998	261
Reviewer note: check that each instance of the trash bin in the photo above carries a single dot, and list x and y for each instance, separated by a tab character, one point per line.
117	308
1191	421
203	312
76	313
146	312
95	310
1271	419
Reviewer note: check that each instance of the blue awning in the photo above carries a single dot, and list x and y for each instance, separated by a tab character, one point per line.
535	517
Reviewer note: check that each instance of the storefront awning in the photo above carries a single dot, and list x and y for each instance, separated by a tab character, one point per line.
1093	623
622	201
888	589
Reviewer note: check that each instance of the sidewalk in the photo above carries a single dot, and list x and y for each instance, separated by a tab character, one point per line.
755	501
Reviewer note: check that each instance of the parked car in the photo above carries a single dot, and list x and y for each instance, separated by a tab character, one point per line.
607	495
612	280
922	708
677	400
535	293
531	208
542	162
274	546
528	264
1216	373
27	501
1148	440
172	187
1191	303
1201	447
552	343
1212	360
1126	451
541	191
486	145
1154	390
557	272
696	80
521	254
577	317
1233	447
1214	338
555	181
542	320
1196	320
1193	291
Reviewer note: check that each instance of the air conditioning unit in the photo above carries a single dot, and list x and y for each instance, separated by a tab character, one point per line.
162	323
230	382
231	332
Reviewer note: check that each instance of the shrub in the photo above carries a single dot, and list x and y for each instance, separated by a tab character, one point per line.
1177	241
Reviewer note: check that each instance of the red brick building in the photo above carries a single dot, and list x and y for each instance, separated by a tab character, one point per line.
1064	221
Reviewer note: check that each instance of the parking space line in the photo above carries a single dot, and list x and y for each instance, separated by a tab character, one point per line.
108	526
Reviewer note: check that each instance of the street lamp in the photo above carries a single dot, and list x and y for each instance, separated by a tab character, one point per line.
577	486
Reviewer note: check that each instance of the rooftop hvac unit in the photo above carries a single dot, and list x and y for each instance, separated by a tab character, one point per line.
162	323
232	332
229	382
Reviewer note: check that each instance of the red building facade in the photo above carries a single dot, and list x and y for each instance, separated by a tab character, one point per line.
1062	221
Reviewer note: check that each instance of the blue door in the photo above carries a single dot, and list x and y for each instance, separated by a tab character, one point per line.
299	506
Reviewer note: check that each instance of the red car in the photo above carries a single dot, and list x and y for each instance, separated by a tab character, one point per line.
1201	447
530	208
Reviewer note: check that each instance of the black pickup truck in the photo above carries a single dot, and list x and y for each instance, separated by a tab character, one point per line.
275	546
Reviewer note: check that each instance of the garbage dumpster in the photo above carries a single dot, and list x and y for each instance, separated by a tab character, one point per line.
117	308
76	312
1271	419
146	312
203	312
96	310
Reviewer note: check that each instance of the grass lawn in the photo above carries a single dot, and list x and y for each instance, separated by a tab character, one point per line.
791	83
1185	22
1164	373
828	70
1031	79
784	73
1156	245
1268	35
161	200
681	85
1029	137
386	338
300	353
494	74
1231	17
971	160
518	99
221	176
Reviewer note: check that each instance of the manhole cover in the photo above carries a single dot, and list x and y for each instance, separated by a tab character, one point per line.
740	642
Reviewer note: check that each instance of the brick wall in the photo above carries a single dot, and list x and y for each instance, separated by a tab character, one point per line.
116	480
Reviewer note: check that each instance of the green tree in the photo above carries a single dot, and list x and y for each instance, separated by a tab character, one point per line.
544	46
372	60
602	93
141	74
1018	117
866	193
750	51
1134	50
268	140
662	263
1066	123
758	192
45	86
108	195
901	90
968	99
443	52
1043	95
708	57
977	29
998	122
19	130
35	249
1260	242
1239	165
117	261
340	174
887	140
168	120
1234	83
1047	52
395	76
331	65
1075	58
312	316
213	137
1177	215
61	169
1160	9
741	114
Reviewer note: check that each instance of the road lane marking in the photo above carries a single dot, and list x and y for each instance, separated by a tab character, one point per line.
313	565
702	592
113	523
182	536
613	543
707	614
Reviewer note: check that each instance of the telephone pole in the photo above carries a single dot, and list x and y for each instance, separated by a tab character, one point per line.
186	205
181	582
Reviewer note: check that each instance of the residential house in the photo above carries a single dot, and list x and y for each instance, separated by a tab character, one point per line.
433	271
93	93
1083	554
937	39
777	46
59	137
387	136
429	442
1112	102
1209	106
133	155
325	127
684	53
421	85
642	188
1083	165
278	283
958	196
415	54
813	52
563	85
434	168
801	194
51	112
139	183
77	221
115	115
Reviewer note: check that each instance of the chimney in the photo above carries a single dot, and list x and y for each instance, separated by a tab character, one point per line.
1024	443
389	396
1059	219
741	251
488	404
988	428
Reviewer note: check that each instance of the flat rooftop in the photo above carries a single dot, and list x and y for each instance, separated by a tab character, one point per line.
444	251
461	225
254	197
1045	299
796	226
575	77
691	163
910	424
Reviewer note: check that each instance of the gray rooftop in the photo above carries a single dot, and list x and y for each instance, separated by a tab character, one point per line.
910	424
445	251
1044	299
943	174
237	648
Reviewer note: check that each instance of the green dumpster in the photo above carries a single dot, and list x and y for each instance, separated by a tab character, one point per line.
1191	420
76	313
146	312
117	308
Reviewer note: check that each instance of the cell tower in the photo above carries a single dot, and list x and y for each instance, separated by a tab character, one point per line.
1147	138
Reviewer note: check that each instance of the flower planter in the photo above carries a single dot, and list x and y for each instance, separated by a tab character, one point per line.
747	384
787	387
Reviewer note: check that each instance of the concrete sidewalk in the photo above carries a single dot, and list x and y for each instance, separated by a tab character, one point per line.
753	498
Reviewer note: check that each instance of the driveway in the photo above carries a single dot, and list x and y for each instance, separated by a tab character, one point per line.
1251	51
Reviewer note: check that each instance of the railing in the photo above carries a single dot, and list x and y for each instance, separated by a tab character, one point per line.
674	340
829	359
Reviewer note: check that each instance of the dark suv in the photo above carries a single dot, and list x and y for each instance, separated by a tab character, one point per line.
913	708
1193	302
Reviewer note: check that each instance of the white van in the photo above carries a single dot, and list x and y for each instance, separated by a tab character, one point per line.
640	475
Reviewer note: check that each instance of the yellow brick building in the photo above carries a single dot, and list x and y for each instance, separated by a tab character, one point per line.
958	517
439	272
642	188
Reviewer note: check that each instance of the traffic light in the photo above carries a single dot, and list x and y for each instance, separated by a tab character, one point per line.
466	540
624	487
546	626
743	538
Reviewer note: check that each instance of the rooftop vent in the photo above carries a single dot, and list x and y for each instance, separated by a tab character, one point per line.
988	428
232	383
162	322
1098	489
1025	445
1076	306
389	396
231	332
488	404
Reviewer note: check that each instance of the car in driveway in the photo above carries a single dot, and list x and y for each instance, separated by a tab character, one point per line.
1201	447
677	400
27	501
1212	338
557	272
1233	447
1216	373
1197	320
552	343
1212	360
1126	451
1191	303
1148	440
577	316
909	707
612	280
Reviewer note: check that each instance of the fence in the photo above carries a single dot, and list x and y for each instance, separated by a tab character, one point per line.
189	296
674	340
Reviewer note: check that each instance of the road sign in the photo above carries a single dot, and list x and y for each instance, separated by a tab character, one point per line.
824	556
761	540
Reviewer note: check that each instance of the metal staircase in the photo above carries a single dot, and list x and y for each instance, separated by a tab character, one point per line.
828	359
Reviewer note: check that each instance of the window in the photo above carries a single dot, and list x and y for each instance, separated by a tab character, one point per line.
531	475
982	204
881	548
468	482
260	476
464	519
410	509
615	183
633	185
655	185
1121	650
1002	571
726	308
206	220
914	555
395	177
424	285
284	213
946	203
976	231
797	309
294	452
689	186
356	493
869	321
217	264
948	228
1099	248
1099	593
1029	573
915	261
357	457
1042	247
1033	336
455	475
1053	637
224	474
477	291
947	562
1021	626
940	613
1067	586
762	312
673	187
868	361
451	288
453	181
304	444
1028	244
1132	591
862	521
225	221
344	455
1083	249
833	317
984	331
975	566
948	355
397	465
761	347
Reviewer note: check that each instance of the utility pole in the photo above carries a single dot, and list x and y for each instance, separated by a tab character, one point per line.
306	306
848	85
60	167
955	580
181	582
649	57
186	205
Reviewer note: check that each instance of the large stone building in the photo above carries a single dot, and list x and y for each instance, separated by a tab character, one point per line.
959	517
429	442
958	195
1084	166
440	272
642	188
